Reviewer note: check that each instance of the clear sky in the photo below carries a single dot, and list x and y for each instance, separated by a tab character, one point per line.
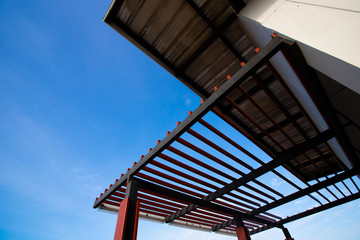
78	105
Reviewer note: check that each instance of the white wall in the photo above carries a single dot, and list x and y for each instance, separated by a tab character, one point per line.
350	5
328	32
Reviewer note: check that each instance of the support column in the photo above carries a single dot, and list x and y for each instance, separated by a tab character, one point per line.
128	216
287	234
241	231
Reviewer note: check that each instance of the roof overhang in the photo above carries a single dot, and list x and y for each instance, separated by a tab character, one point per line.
204	45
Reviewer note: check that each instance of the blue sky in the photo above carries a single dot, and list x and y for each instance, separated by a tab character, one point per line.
78	105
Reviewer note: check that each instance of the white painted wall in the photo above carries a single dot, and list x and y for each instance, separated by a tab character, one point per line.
350	5
328	32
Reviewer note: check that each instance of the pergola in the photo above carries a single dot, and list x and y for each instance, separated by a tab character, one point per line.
209	178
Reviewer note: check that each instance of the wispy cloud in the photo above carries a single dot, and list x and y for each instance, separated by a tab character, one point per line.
81	174
275	182
188	102
303	221
339	212
86	180
301	201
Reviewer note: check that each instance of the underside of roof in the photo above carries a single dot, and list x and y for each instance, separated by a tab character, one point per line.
201	175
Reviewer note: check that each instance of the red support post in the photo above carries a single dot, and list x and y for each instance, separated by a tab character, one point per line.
241	231
136	221
120	225
128	216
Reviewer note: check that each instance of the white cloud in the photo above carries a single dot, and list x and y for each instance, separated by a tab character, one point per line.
339	212
301	201
275	182
302	221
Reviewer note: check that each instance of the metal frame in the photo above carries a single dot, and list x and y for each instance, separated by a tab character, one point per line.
321	208
200	202
210	201
273	47
297	195
281	159
174	203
